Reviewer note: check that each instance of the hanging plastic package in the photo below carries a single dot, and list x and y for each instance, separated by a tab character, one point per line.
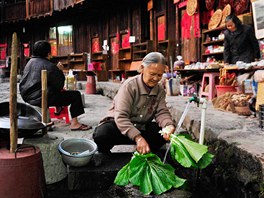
179	64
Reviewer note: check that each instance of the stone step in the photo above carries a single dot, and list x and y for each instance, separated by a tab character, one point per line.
99	174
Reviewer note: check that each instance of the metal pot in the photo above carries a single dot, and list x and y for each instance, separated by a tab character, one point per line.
28	119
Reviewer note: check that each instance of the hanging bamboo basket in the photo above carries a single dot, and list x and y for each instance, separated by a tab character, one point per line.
215	19
226	11
191	7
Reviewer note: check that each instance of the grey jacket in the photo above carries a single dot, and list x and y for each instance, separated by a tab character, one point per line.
133	107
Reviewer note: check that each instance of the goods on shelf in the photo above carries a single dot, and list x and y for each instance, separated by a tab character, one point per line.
213	43
179	64
214	49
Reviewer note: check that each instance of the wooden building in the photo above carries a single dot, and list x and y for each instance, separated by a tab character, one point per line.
110	34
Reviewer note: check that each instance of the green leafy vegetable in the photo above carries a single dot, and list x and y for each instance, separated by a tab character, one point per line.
149	173
122	177
178	153
205	160
189	153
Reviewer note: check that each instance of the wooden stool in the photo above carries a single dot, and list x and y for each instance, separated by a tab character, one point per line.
63	114
209	78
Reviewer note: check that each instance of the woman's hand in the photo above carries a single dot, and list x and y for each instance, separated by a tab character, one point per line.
142	145
166	136
60	65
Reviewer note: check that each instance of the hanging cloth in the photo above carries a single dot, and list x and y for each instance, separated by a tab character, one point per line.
186	26
240	6
209	4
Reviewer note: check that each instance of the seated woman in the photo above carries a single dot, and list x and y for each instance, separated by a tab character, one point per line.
139	100
30	85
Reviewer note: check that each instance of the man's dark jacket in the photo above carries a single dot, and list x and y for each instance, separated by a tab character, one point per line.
30	85
241	45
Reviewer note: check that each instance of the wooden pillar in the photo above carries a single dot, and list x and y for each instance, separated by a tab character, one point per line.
177	31
51	6
13	96
27	9
151	18
44	104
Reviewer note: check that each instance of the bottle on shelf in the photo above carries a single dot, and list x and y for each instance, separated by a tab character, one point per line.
70	81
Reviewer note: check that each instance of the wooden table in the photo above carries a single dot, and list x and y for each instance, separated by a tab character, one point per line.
195	71
193	75
200	72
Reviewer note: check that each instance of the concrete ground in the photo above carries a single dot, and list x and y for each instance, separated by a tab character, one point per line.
243	133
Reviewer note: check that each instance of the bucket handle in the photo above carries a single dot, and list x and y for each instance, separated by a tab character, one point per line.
23	146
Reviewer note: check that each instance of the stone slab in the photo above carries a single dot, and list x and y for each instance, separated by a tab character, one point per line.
99	174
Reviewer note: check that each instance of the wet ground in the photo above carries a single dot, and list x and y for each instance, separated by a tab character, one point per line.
60	190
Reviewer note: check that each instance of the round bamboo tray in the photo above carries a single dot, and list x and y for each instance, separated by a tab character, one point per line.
215	19
226	11
191	7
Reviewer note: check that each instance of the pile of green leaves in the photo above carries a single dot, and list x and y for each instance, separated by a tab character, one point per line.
189	153
149	173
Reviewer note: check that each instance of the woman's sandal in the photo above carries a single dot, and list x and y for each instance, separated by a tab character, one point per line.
83	127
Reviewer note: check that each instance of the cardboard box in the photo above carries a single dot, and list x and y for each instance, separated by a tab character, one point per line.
246	19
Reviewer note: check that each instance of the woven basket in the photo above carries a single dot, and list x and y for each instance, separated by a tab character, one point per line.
243	110
191	7
226	11
215	19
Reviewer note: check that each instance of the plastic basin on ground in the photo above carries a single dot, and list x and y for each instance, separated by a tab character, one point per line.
77	152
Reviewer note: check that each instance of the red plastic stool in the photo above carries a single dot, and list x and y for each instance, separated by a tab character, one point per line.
63	114
209	78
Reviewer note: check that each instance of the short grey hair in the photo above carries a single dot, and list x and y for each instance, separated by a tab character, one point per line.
153	58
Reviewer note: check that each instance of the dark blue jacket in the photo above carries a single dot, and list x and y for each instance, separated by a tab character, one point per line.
30	85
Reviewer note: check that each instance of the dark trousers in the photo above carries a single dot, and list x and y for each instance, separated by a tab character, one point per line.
107	135
69	97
